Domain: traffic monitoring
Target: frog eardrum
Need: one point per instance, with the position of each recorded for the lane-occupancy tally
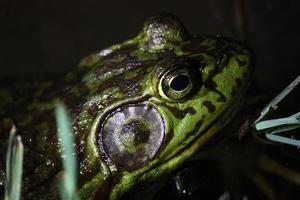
(132, 135)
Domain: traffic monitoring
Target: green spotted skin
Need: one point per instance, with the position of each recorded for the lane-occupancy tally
(132, 128)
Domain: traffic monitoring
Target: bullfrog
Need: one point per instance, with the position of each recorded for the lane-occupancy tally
(139, 109)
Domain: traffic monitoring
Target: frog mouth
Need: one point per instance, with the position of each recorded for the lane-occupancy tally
(131, 134)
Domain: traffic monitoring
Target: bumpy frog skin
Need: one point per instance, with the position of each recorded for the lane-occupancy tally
(139, 109)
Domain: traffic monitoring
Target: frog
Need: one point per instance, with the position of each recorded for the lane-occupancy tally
(138, 109)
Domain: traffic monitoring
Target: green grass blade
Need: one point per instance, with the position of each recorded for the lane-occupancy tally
(273, 126)
(17, 169)
(66, 141)
(266, 124)
(273, 104)
(14, 164)
(284, 140)
(9, 155)
(281, 129)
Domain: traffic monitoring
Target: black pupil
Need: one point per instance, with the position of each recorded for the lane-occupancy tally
(180, 82)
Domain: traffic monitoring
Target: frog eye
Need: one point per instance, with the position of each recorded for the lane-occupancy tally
(176, 83)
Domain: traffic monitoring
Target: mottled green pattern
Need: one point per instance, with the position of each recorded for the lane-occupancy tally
(127, 73)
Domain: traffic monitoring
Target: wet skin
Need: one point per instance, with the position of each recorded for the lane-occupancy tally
(139, 109)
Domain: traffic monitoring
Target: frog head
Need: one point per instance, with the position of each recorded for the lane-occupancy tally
(153, 101)
(139, 109)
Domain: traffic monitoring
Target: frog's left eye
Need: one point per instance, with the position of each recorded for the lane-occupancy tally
(177, 83)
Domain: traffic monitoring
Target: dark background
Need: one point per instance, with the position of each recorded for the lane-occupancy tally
(52, 36)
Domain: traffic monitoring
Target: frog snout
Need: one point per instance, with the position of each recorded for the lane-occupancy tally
(131, 135)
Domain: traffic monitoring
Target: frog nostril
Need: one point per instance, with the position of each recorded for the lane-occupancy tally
(132, 135)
